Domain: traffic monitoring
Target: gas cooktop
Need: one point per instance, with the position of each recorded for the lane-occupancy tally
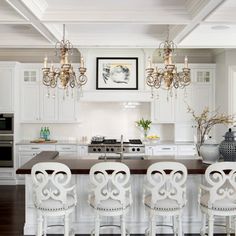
(115, 146)
(115, 142)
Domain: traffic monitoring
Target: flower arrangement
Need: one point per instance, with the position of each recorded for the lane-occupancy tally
(206, 121)
(145, 124)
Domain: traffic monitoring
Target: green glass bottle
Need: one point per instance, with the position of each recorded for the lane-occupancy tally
(45, 133)
(41, 133)
(48, 134)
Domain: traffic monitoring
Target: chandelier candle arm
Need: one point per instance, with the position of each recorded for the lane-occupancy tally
(168, 77)
(186, 62)
(65, 76)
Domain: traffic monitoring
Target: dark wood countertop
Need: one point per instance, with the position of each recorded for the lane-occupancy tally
(82, 166)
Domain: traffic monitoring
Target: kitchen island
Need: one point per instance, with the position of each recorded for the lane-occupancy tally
(137, 220)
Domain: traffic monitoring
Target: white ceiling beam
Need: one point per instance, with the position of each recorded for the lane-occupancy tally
(197, 19)
(22, 9)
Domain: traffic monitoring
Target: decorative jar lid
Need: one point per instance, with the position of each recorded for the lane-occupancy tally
(230, 135)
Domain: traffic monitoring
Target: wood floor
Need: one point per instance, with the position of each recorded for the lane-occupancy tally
(12, 214)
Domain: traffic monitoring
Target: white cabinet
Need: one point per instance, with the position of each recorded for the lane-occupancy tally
(27, 152)
(38, 107)
(186, 150)
(161, 150)
(199, 95)
(30, 100)
(163, 110)
(82, 150)
(7, 73)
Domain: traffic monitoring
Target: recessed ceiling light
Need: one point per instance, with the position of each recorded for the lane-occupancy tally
(220, 27)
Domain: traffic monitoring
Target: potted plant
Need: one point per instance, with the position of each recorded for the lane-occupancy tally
(206, 121)
(145, 125)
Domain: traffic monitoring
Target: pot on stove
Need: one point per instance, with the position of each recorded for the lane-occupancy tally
(98, 138)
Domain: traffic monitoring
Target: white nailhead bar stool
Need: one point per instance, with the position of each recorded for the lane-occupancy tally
(53, 194)
(165, 194)
(110, 192)
(219, 197)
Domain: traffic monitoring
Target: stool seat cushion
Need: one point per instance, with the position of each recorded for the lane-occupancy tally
(54, 205)
(220, 205)
(162, 205)
(109, 204)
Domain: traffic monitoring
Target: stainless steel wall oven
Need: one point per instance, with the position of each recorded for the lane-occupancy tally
(6, 150)
(6, 124)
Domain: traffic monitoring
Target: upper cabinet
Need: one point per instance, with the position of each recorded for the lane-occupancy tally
(38, 107)
(7, 74)
(163, 110)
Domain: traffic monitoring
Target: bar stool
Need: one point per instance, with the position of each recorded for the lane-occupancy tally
(165, 194)
(52, 194)
(219, 197)
(110, 192)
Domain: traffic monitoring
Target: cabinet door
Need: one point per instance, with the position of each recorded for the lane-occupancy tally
(48, 105)
(163, 110)
(83, 150)
(183, 100)
(30, 96)
(202, 97)
(23, 157)
(66, 107)
(6, 90)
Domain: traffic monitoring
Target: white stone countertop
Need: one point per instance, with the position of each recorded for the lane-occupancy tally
(74, 142)
(59, 142)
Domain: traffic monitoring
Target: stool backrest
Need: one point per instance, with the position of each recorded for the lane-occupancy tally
(222, 180)
(50, 181)
(110, 180)
(166, 180)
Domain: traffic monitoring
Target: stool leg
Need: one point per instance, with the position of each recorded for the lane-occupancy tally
(97, 225)
(152, 224)
(211, 225)
(66, 222)
(203, 227)
(174, 225)
(45, 226)
(40, 224)
(122, 218)
(228, 225)
(234, 226)
(180, 231)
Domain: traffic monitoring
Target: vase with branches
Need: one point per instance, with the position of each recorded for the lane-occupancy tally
(206, 120)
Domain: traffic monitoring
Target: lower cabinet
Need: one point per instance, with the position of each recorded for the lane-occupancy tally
(171, 150)
(27, 152)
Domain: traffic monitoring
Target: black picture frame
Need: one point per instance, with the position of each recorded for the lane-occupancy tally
(116, 73)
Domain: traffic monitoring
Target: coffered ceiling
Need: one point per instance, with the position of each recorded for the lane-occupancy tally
(123, 23)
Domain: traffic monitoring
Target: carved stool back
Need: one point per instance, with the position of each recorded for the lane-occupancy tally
(52, 193)
(110, 192)
(218, 196)
(165, 193)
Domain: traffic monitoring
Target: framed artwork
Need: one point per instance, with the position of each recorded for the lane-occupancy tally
(117, 73)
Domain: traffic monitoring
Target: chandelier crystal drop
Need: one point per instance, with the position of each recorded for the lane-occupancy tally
(65, 76)
(167, 78)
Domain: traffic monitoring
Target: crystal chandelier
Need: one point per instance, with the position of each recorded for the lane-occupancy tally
(168, 77)
(65, 76)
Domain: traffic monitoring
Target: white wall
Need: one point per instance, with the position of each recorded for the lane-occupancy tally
(104, 118)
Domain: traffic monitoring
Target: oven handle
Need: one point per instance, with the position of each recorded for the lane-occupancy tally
(6, 142)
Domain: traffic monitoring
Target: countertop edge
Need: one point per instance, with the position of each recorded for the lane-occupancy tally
(82, 166)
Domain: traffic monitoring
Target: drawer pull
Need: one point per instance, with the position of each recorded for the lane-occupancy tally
(34, 148)
(166, 149)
